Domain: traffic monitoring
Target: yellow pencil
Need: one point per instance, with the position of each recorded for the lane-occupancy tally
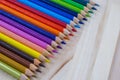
(23, 48)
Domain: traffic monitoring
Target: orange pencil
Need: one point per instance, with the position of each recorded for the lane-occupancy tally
(35, 16)
(33, 21)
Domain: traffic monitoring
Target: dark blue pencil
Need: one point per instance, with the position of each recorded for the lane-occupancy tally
(49, 12)
(63, 9)
(31, 26)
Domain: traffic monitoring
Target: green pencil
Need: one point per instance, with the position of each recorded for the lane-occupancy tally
(71, 7)
(13, 72)
(78, 5)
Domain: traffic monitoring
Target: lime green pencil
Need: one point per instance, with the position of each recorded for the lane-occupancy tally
(71, 7)
(78, 5)
(13, 72)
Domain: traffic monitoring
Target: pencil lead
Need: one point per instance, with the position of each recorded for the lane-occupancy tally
(34, 76)
(90, 11)
(59, 47)
(47, 60)
(71, 34)
(39, 70)
(94, 8)
(85, 19)
(55, 51)
(74, 30)
(97, 5)
(50, 55)
(81, 22)
(42, 65)
(88, 15)
(63, 42)
(67, 38)
(77, 26)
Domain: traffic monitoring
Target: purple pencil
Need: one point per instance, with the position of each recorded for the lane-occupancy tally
(26, 36)
(29, 31)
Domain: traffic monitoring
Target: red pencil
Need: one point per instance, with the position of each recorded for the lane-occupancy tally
(43, 15)
(35, 16)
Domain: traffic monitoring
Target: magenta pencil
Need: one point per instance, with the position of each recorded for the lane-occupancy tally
(26, 36)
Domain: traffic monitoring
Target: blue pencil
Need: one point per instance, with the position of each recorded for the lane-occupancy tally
(58, 11)
(63, 9)
(51, 13)
(31, 26)
(87, 3)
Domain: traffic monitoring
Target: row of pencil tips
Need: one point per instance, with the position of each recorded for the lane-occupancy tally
(32, 31)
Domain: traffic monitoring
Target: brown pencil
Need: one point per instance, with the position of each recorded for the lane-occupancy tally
(18, 59)
(16, 65)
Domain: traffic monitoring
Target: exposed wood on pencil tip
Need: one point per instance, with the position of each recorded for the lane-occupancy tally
(51, 56)
(36, 62)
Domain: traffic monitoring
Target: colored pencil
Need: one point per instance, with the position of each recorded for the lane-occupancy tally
(86, 3)
(22, 47)
(67, 26)
(16, 65)
(20, 53)
(26, 36)
(73, 8)
(33, 21)
(13, 72)
(58, 11)
(31, 26)
(29, 31)
(79, 6)
(37, 17)
(25, 42)
(18, 59)
(64, 9)
(51, 13)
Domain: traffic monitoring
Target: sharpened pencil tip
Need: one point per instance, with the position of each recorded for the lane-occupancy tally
(50, 55)
(81, 22)
(55, 51)
(47, 60)
(88, 15)
(63, 42)
(94, 8)
(77, 26)
(97, 5)
(85, 19)
(74, 30)
(71, 34)
(42, 65)
(39, 71)
(90, 11)
(67, 38)
(59, 47)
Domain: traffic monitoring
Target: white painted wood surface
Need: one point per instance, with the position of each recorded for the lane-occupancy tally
(90, 35)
